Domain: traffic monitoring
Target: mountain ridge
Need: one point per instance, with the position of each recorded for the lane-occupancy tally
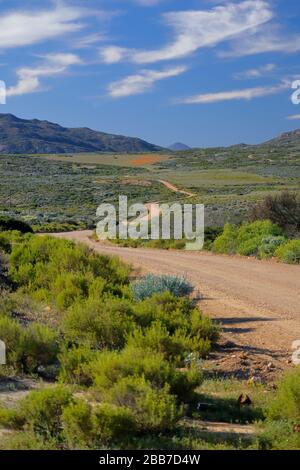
(34, 136)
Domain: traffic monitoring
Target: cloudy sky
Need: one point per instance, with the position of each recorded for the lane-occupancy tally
(203, 72)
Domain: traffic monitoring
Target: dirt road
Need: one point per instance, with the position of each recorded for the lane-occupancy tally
(174, 188)
(257, 302)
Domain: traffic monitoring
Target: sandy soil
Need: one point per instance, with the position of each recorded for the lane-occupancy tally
(257, 302)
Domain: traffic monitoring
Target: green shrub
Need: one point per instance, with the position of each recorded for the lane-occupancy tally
(73, 363)
(102, 425)
(26, 440)
(246, 239)
(112, 424)
(179, 317)
(77, 424)
(174, 347)
(227, 241)
(250, 236)
(111, 366)
(101, 324)
(42, 411)
(171, 311)
(39, 346)
(150, 284)
(269, 245)
(155, 410)
(60, 270)
(11, 418)
(278, 435)
(286, 403)
(290, 252)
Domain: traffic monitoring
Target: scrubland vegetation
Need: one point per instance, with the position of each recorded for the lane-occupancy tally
(122, 358)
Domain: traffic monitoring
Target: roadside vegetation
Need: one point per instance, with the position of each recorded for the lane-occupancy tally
(121, 359)
(273, 231)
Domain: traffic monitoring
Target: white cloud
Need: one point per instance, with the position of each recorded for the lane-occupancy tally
(245, 94)
(114, 54)
(29, 78)
(269, 40)
(198, 29)
(21, 28)
(294, 117)
(255, 73)
(141, 82)
(87, 41)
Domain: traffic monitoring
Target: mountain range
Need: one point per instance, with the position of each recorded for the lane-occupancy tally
(21, 136)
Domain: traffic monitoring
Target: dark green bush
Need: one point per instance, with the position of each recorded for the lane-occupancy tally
(39, 346)
(9, 223)
(282, 209)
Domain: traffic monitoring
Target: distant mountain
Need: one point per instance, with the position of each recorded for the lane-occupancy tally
(23, 136)
(178, 146)
(291, 138)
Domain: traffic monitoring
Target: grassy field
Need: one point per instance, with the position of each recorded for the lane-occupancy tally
(54, 189)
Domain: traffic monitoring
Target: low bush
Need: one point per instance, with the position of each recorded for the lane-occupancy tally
(61, 271)
(42, 411)
(100, 324)
(285, 404)
(247, 239)
(77, 424)
(227, 241)
(177, 315)
(73, 364)
(289, 252)
(112, 424)
(39, 346)
(175, 347)
(278, 435)
(150, 285)
(155, 410)
(110, 367)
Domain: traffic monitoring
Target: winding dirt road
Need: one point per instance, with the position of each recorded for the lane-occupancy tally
(257, 302)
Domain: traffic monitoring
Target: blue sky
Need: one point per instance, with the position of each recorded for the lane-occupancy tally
(203, 72)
